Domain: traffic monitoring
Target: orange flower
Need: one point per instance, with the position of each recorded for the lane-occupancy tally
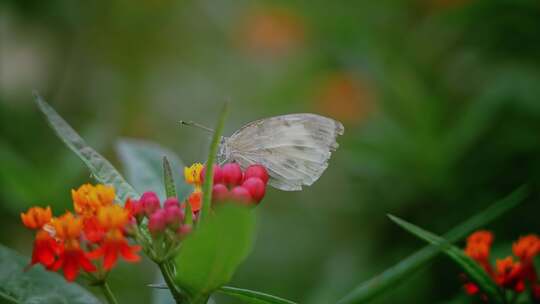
(509, 274)
(346, 97)
(89, 198)
(67, 227)
(195, 201)
(113, 217)
(68, 230)
(272, 31)
(192, 175)
(36, 217)
(46, 249)
(527, 247)
(113, 220)
(481, 236)
(478, 248)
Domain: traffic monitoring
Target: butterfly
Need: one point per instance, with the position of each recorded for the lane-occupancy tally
(294, 148)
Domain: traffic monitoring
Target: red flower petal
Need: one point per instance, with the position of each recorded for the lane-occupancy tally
(71, 267)
(129, 252)
(85, 262)
(111, 255)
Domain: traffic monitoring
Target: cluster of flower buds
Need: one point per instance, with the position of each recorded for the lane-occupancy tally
(513, 273)
(170, 216)
(98, 230)
(230, 183)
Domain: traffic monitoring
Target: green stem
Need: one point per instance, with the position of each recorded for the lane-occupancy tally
(167, 275)
(111, 299)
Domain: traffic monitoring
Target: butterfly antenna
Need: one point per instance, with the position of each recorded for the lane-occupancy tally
(196, 125)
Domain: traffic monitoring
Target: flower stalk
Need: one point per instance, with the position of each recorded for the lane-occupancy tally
(107, 292)
(165, 269)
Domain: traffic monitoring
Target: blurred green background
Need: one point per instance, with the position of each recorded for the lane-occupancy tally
(439, 98)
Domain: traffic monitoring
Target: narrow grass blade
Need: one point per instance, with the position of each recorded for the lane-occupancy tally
(102, 170)
(392, 276)
(473, 269)
(253, 297)
(168, 178)
(209, 172)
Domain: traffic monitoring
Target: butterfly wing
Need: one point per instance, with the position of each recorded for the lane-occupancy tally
(294, 148)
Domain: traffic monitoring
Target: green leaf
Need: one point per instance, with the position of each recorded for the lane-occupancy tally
(473, 269)
(36, 285)
(211, 254)
(168, 178)
(101, 169)
(143, 163)
(253, 297)
(209, 172)
(388, 279)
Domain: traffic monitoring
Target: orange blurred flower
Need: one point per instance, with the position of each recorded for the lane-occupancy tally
(478, 248)
(87, 199)
(509, 274)
(36, 217)
(272, 31)
(527, 247)
(345, 97)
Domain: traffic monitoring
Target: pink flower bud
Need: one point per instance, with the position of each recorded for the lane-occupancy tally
(256, 188)
(184, 230)
(257, 171)
(219, 193)
(232, 174)
(157, 222)
(218, 174)
(171, 202)
(241, 194)
(174, 216)
(150, 202)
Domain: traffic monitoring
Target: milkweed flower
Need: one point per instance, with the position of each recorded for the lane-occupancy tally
(68, 230)
(527, 247)
(97, 225)
(36, 217)
(192, 174)
(88, 199)
(113, 219)
(478, 248)
(509, 273)
(45, 247)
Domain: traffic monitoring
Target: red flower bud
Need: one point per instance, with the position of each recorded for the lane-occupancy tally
(150, 202)
(218, 174)
(219, 193)
(256, 188)
(241, 194)
(171, 202)
(232, 174)
(257, 171)
(158, 221)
